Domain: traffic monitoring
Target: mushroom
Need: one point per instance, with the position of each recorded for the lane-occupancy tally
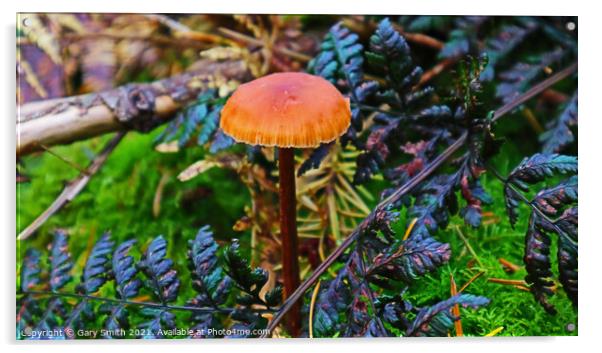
(288, 111)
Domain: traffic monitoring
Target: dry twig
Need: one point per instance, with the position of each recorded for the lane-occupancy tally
(73, 188)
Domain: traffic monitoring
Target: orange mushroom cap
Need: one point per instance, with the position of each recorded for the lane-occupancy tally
(286, 110)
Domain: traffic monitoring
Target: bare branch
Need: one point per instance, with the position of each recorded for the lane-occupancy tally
(139, 107)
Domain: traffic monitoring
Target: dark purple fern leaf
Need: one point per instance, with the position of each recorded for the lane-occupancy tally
(117, 319)
(161, 321)
(194, 116)
(410, 259)
(315, 158)
(207, 277)
(82, 312)
(462, 39)
(59, 275)
(437, 320)
(518, 78)
(554, 202)
(126, 286)
(30, 269)
(390, 56)
(393, 309)
(60, 261)
(220, 141)
(358, 318)
(210, 126)
(28, 307)
(162, 278)
(125, 271)
(390, 53)
(332, 300)
(198, 121)
(94, 275)
(340, 61)
(533, 170)
(97, 265)
(48, 322)
(475, 195)
(537, 263)
(247, 321)
(435, 201)
(509, 38)
(567, 254)
(249, 280)
(559, 134)
(375, 328)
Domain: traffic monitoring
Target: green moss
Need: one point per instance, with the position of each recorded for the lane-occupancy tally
(511, 308)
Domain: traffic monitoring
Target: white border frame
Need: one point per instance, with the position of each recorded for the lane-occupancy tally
(590, 131)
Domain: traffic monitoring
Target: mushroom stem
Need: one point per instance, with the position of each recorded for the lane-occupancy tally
(288, 232)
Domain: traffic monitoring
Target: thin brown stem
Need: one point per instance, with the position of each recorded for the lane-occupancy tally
(70, 163)
(137, 303)
(288, 233)
(436, 70)
(535, 90)
(472, 279)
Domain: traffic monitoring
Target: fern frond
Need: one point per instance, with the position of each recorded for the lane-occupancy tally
(533, 170)
(516, 80)
(556, 202)
(153, 318)
(198, 122)
(509, 38)
(162, 277)
(559, 134)
(125, 271)
(411, 259)
(97, 265)
(437, 320)
(208, 279)
(60, 261)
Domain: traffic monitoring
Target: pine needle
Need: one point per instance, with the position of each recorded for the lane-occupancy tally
(456, 308)
(470, 249)
(471, 280)
(495, 332)
(409, 230)
(314, 295)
